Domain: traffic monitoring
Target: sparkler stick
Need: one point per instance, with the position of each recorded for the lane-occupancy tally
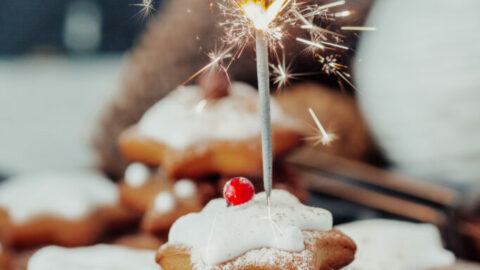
(263, 77)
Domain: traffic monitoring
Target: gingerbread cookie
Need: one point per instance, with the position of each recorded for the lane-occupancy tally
(181, 198)
(402, 245)
(139, 187)
(251, 236)
(99, 257)
(189, 135)
(68, 209)
(162, 201)
(139, 241)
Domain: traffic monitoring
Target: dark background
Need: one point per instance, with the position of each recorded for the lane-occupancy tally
(42, 25)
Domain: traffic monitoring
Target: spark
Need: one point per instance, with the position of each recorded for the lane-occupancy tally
(146, 7)
(330, 5)
(344, 13)
(282, 74)
(216, 57)
(324, 137)
(335, 45)
(358, 28)
(311, 43)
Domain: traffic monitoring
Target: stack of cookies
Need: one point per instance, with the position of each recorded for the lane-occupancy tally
(187, 145)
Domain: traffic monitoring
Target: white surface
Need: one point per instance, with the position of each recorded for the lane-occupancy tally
(220, 233)
(70, 195)
(396, 245)
(419, 86)
(99, 257)
(184, 118)
(47, 110)
(136, 174)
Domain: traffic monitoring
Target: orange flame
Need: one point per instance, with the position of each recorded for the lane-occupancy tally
(262, 12)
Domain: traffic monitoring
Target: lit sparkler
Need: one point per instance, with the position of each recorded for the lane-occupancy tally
(266, 22)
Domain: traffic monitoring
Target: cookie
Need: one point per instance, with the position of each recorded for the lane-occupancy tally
(181, 198)
(190, 136)
(403, 245)
(139, 187)
(68, 209)
(162, 201)
(252, 236)
(98, 257)
(139, 241)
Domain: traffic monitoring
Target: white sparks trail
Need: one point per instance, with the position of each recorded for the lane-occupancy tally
(311, 43)
(335, 45)
(358, 28)
(324, 138)
(146, 7)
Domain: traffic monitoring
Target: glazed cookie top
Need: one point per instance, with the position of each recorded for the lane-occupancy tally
(71, 195)
(99, 257)
(220, 233)
(396, 245)
(185, 118)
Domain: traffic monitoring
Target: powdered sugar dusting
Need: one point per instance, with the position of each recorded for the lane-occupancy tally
(238, 230)
(177, 121)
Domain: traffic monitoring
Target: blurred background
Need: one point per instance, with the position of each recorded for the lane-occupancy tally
(59, 62)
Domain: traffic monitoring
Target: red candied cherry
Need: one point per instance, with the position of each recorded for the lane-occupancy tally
(238, 190)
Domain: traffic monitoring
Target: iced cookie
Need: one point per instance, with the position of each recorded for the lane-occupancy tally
(161, 201)
(139, 187)
(99, 257)
(190, 135)
(250, 237)
(402, 245)
(67, 209)
(140, 241)
(181, 198)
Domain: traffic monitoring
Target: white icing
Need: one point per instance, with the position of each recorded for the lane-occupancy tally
(136, 174)
(164, 202)
(220, 233)
(99, 257)
(71, 195)
(183, 119)
(396, 245)
(184, 189)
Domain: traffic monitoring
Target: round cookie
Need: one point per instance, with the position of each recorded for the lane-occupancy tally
(68, 209)
(98, 257)
(190, 136)
(253, 236)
